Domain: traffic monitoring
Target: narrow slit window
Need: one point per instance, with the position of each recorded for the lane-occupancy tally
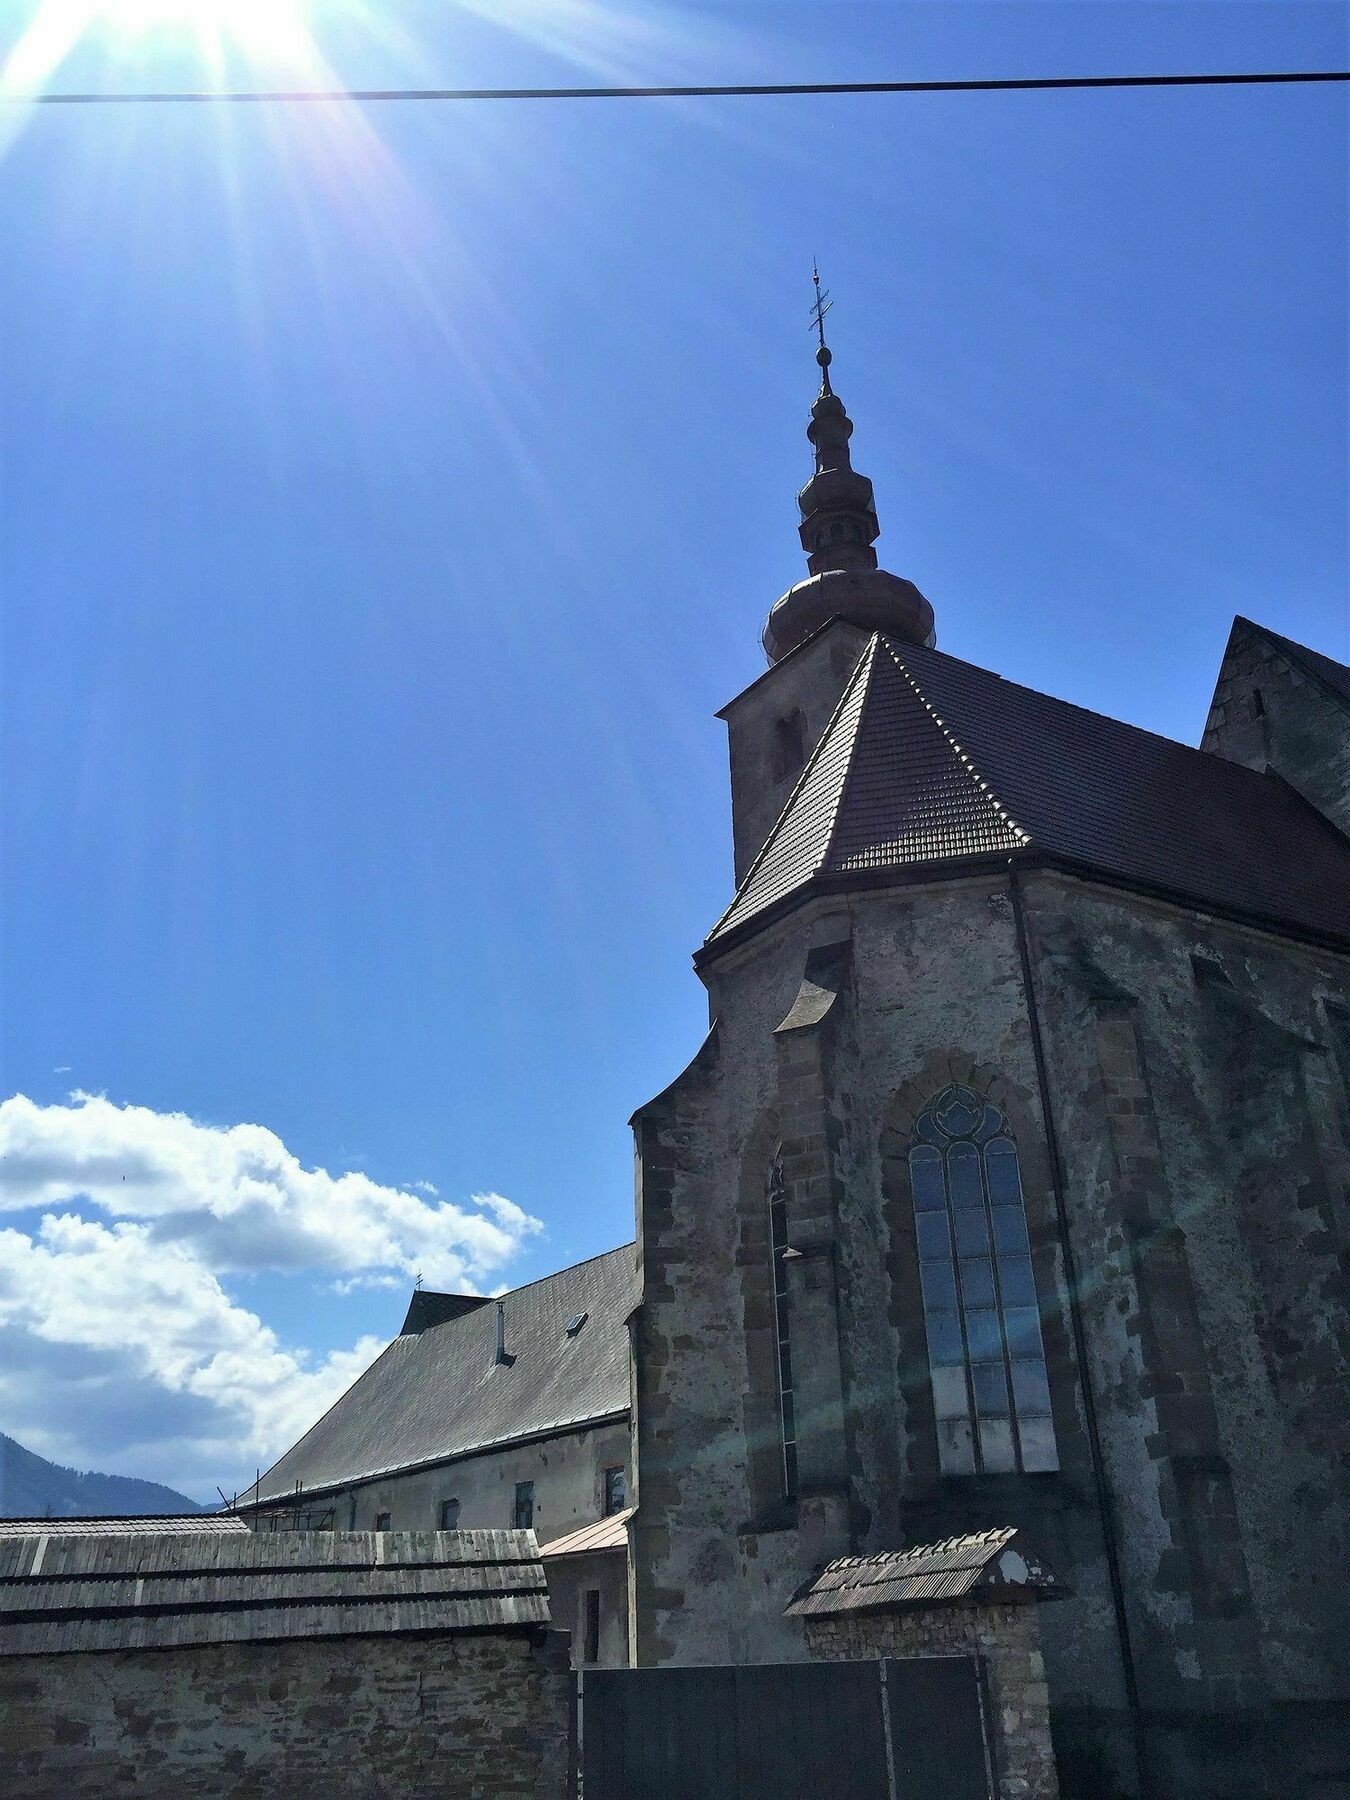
(991, 1396)
(449, 1515)
(778, 1245)
(590, 1651)
(524, 1507)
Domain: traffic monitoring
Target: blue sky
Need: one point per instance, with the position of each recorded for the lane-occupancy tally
(389, 499)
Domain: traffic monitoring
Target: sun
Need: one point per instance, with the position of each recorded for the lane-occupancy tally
(255, 27)
(266, 33)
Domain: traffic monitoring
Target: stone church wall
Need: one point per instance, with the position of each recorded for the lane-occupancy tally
(933, 993)
(1200, 1110)
(1268, 710)
(1205, 1124)
(376, 1718)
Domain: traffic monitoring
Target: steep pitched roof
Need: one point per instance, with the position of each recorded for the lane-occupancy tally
(139, 1592)
(440, 1392)
(1330, 673)
(931, 765)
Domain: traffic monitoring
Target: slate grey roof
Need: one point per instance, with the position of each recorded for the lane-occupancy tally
(125, 1525)
(931, 765)
(1331, 674)
(439, 1392)
(138, 1592)
(985, 1565)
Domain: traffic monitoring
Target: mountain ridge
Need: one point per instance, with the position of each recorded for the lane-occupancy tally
(33, 1488)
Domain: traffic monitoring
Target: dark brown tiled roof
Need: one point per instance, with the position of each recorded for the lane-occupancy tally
(140, 1592)
(931, 764)
(987, 1564)
(439, 1392)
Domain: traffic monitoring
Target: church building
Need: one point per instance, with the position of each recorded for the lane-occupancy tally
(1010, 1188)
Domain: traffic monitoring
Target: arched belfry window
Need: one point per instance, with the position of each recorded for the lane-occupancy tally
(985, 1354)
(778, 1248)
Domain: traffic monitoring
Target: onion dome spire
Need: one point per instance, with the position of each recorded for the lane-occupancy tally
(838, 528)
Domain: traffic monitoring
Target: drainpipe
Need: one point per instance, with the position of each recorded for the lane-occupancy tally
(1105, 1503)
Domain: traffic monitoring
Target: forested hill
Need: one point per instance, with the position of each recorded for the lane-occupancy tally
(31, 1487)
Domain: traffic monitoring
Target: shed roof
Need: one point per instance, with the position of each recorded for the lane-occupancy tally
(60, 1594)
(439, 1392)
(600, 1534)
(993, 1564)
(125, 1525)
(931, 765)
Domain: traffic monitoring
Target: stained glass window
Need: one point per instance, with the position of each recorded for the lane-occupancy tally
(986, 1358)
(778, 1244)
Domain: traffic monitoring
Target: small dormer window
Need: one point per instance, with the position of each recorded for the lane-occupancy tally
(575, 1323)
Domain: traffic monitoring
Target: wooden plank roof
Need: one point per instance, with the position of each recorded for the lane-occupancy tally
(62, 1593)
(984, 1565)
(124, 1525)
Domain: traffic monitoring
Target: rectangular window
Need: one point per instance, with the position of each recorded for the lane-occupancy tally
(449, 1515)
(524, 1513)
(590, 1637)
(382, 1521)
(616, 1490)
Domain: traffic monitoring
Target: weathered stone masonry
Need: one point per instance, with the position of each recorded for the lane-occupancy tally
(470, 1718)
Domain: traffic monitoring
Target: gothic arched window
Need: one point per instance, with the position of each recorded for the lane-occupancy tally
(778, 1244)
(987, 1362)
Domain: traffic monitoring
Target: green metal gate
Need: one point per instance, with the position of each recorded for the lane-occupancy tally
(892, 1730)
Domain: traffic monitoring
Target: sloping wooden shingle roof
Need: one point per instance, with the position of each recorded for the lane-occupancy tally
(987, 1565)
(125, 1525)
(61, 1594)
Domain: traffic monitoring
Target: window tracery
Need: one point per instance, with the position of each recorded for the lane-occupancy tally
(986, 1358)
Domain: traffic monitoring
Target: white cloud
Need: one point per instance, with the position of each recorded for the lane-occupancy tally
(120, 1347)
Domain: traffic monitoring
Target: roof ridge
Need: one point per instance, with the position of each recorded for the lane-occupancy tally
(808, 769)
(966, 761)
(868, 657)
(567, 1268)
(1303, 656)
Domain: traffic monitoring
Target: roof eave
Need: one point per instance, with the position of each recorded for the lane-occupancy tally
(1030, 856)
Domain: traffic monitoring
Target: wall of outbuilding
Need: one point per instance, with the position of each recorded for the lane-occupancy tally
(1204, 1193)
(471, 1717)
(568, 1472)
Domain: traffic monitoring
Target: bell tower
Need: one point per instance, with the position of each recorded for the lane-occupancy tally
(777, 722)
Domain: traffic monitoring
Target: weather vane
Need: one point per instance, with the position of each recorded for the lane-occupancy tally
(822, 305)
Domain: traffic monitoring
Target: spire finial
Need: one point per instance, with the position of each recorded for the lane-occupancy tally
(822, 305)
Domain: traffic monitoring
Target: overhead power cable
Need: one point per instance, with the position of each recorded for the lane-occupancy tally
(744, 90)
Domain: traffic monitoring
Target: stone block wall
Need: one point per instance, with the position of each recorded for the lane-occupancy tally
(1006, 1635)
(370, 1718)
